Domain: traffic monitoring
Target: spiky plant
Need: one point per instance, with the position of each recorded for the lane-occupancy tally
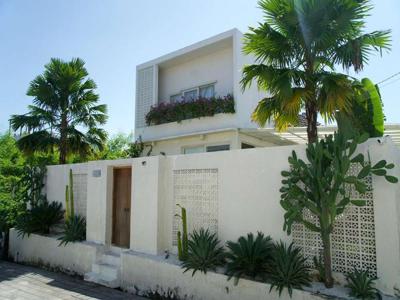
(204, 252)
(249, 256)
(288, 268)
(361, 285)
(74, 230)
(40, 218)
(322, 184)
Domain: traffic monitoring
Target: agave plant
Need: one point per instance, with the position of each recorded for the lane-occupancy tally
(249, 256)
(288, 268)
(40, 218)
(204, 252)
(74, 230)
(361, 285)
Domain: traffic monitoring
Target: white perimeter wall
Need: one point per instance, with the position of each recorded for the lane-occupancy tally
(76, 258)
(247, 197)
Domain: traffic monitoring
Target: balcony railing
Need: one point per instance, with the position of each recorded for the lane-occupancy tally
(179, 111)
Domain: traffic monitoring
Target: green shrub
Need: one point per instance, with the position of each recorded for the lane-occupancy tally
(40, 219)
(249, 256)
(183, 110)
(288, 268)
(204, 252)
(74, 230)
(361, 285)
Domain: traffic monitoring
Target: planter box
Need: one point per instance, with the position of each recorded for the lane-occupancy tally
(143, 273)
(75, 258)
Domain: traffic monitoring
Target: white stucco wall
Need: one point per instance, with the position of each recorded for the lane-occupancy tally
(215, 68)
(57, 177)
(148, 273)
(248, 199)
(44, 251)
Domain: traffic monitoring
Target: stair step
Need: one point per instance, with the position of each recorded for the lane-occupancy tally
(102, 279)
(110, 258)
(109, 271)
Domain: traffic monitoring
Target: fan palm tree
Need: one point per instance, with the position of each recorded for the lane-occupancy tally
(64, 104)
(298, 49)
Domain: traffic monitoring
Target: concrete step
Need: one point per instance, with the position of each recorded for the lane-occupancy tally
(109, 271)
(110, 258)
(102, 279)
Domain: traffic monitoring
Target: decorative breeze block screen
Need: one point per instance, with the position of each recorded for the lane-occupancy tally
(80, 193)
(352, 240)
(144, 94)
(197, 191)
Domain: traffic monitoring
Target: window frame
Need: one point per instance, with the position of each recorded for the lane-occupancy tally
(197, 88)
(191, 90)
(205, 86)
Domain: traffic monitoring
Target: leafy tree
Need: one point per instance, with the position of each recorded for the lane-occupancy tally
(366, 115)
(121, 146)
(11, 170)
(64, 104)
(322, 185)
(298, 48)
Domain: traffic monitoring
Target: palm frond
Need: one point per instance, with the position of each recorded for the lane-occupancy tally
(355, 52)
(37, 141)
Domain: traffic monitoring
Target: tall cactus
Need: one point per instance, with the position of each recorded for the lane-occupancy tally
(67, 207)
(183, 237)
(69, 197)
(71, 193)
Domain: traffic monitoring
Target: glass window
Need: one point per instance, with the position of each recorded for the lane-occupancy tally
(176, 98)
(191, 150)
(190, 95)
(218, 148)
(207, 91)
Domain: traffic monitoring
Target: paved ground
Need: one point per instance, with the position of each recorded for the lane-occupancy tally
(18, 282)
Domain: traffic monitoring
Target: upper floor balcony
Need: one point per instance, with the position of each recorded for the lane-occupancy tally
(195, 89)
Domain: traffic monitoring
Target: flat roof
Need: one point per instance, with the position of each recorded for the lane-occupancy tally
(298, 135)
(204, 47)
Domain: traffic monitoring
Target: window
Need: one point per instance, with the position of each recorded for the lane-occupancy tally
(191, 150)
(206, 91)
(190, 95)
(175, 98)
(218, 148)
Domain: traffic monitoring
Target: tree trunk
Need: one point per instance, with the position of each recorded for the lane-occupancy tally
(311, 115)
(63, 141)
(326, 243)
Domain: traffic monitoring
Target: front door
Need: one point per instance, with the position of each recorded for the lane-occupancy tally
(122, 207)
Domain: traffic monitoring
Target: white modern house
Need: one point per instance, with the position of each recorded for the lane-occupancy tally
(130, 205)
(210, 68)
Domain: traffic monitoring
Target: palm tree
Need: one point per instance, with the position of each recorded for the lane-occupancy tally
(298, 48)
(64, 104)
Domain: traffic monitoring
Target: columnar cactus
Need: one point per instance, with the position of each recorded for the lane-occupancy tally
(182, 237)
(69, 197)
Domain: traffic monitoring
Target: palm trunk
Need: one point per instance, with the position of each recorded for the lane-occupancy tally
(326, 243)
(63, 141)
(311, 115)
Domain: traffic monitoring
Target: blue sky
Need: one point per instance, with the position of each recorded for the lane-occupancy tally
(114, 36)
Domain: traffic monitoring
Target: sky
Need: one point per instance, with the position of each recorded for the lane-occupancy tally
(114, 36)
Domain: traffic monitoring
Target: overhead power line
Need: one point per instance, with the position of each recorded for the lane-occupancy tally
(388, 78)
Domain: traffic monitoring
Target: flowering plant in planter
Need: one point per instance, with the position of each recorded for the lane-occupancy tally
(178, 111)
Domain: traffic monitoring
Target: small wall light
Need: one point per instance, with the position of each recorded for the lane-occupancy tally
(143, 163)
